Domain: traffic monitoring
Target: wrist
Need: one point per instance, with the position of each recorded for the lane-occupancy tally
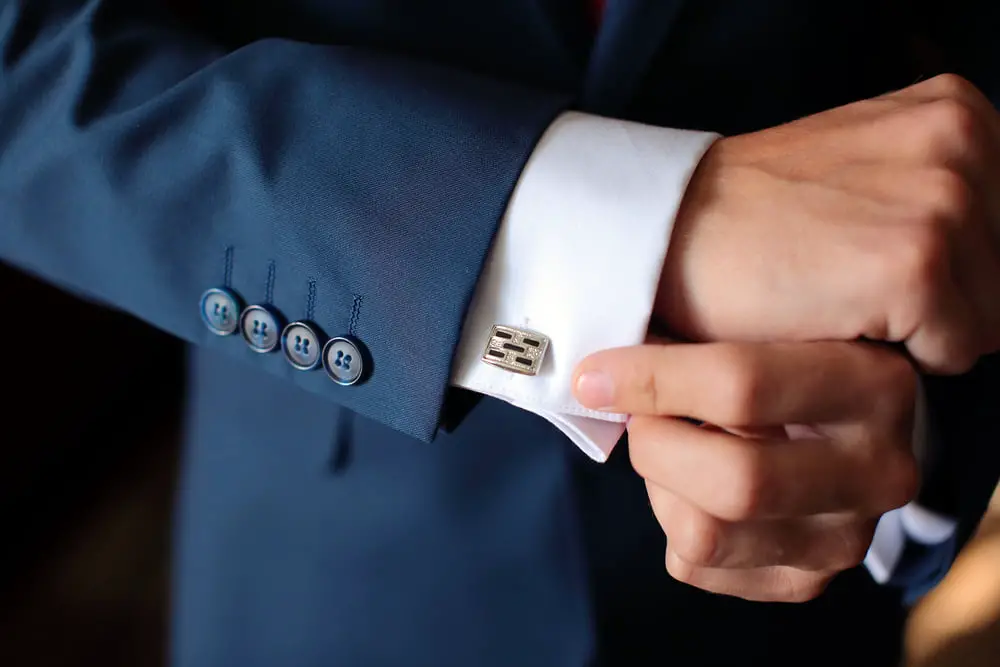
(673, 307)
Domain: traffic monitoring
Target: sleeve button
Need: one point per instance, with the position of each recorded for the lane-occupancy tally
(343, 359)
(261, 328)
(219, 310)
(301, 344)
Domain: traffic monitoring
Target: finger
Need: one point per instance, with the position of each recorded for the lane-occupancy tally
(821, 543)
(978, 278)
(736, 479)
(907, 194)
(942, 107)
(950, 336)
(968, 125)
(771, 432)
(943, 216)
(949, 86)
(766, 584)
(985, 295)
(961, 133)
(741, 384)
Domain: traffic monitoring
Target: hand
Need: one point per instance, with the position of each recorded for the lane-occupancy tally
(773, 516)
(878, 219)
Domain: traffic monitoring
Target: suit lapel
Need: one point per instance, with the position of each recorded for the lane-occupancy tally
(631, 33)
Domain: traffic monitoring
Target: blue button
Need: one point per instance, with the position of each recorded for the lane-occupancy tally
(343, 361)
(220, 311)
(261, 328)
(302, 346)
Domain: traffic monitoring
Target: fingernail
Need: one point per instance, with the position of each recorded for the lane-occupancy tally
(595, 389)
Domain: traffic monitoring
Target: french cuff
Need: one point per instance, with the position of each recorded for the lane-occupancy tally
(577, 260)
(901, 528)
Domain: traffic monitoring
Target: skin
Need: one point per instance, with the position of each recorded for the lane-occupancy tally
(753, 506)
(876, 221)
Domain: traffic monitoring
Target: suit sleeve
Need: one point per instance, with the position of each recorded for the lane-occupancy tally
(141, 165)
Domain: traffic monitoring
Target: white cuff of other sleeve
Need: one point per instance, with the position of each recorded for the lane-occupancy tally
(910, 523)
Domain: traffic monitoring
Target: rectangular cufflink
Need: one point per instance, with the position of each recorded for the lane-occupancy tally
(516, 350)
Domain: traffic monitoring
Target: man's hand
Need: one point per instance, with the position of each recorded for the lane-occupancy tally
(878, 219)
(803, 447)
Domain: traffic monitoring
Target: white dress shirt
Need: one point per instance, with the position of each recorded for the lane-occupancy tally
(578, 258)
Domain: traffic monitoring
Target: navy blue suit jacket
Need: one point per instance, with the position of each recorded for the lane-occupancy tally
(349, 161)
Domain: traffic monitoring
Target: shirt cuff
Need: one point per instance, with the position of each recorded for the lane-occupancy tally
(578, 259)
(911, 524)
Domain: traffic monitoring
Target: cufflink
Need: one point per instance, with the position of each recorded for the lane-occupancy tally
(516, 350)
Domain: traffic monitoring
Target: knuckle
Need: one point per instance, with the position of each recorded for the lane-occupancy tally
(804, 588)
(951, 128)
(949, 197)
(640, 451)
(901, 478)
(852, 545)
(895, 390)
(694, 536)
(648, 389)
(739, 386)
(900, 377)
(745, 485)
(680, 570)
(955, 116)
(952, 85)
(916, 275)
(921, 259)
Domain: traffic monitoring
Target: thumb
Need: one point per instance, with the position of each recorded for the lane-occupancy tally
(735, 384)
(633, 380)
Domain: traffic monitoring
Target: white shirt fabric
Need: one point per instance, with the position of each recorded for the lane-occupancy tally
(910, 523)
(578, 258)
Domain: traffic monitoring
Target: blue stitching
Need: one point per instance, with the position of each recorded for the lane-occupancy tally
(227, 271)
(269, 290)
(355, 314)
(311, 300)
